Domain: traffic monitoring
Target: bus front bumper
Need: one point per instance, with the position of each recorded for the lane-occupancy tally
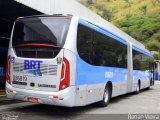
(64, 97)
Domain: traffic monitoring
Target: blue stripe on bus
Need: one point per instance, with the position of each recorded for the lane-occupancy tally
(142, 75)
(103, 31)
(89, 74)
(157, 76)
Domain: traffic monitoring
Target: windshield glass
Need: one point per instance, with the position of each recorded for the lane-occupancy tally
(43, 30)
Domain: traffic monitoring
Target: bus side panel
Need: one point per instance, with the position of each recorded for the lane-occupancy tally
(141, 60)
(143, 76)
(157, 76)
(94, 78)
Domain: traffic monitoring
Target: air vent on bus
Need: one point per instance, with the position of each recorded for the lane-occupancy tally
(45, 69)
(36, 52)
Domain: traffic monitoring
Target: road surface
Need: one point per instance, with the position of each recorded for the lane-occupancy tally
(146, 102)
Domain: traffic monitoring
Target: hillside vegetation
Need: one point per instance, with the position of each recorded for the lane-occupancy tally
(139, 18)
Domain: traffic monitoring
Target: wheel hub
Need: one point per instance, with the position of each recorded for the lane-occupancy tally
(106, 95)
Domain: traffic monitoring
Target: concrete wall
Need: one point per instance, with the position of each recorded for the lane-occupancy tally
(75, 8)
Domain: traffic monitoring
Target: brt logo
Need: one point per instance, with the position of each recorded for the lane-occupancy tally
(32, 64)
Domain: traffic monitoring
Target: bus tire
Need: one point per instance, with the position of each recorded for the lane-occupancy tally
(138, 88)
(106, 97)
(148, 88)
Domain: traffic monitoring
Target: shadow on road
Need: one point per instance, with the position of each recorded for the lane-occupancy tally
(126, 96)
(48, 112)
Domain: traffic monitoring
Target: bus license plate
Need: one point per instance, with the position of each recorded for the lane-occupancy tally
(32, 99)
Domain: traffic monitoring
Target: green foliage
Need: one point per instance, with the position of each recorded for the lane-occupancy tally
(146, 29)
(156, 56)
(102, 11)
(139, 18)
(153, 45)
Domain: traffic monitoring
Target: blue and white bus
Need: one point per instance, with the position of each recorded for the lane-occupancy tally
(157, 70)
(3, 54)
(70, 61)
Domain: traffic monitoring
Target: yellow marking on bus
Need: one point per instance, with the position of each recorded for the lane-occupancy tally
(2, 93)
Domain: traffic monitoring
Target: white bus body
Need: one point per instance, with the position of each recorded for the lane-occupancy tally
(64, 79)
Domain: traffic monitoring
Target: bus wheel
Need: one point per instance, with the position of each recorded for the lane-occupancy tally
(106, 97)
(138, 88)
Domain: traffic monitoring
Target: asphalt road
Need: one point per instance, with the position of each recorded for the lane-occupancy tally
(146, 102)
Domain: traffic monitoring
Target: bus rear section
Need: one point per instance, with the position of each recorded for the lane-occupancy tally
(38, 65)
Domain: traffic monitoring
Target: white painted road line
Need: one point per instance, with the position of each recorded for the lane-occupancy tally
(16, 105)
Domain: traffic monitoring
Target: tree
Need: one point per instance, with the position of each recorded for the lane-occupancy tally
(156, 56)
(153, 45)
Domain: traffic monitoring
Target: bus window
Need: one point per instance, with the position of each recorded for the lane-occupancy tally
(141, 61)
(84, 43)
(46, 31)
(41, 30)
(109, 52)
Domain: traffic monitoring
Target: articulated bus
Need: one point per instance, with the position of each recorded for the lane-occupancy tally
(157, 69)
(70, 61)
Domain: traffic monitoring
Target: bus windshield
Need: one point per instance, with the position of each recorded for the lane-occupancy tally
(41, 30)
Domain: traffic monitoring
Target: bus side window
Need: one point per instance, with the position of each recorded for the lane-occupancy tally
(141, 61)
(84, 43)
(108, 51)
